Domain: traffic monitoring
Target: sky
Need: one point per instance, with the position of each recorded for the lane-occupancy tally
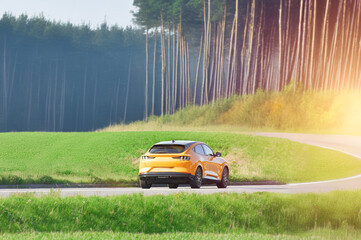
(92, 12)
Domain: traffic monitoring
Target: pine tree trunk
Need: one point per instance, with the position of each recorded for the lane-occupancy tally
(212, 63)
(146, 75)
(235, 58)
(62, 102)
(330, 83)
(154, 65)
(311, 75)
(217, 57)
(5, 89)
(95, 98)
(322, 52)
(298, 75)
(11, 84)
(250, 45)
(257, 53)
(169, 74)
(208, 50)
(84, 92)
(230, 55)
(280, 47)
(288, 44)
(346, 76)
(174, 75)
(197, 71)
(117, 98)
(189, 94)
(303, 50)
(222, 62)
(204, 51)
(163, 64)
(127, 92)
(244, 82)
(54, 97)
(206, 56)
(176, 63)
(181, 73)
(30, 97)
(182, 80)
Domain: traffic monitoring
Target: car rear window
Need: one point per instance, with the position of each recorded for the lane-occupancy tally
(167, 149)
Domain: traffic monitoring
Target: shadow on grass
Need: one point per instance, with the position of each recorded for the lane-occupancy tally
(48, 181)
(16, 180)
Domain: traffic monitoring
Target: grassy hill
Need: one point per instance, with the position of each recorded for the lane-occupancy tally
(112, 157)
(316, 112)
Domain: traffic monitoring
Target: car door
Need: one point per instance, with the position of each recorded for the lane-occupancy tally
(211, 165)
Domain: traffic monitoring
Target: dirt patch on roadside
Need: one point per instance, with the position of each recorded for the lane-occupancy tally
(241, 166)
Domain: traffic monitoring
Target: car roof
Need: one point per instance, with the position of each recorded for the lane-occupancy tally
(187, 144)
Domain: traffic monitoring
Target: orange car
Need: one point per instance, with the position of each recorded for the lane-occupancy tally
(182, 162)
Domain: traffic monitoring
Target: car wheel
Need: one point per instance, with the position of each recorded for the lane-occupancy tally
(225, 179)
(145, 184)
(197, 180)
(173, 185)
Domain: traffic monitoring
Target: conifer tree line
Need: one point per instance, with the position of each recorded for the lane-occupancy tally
(239, 46)
(60, 77)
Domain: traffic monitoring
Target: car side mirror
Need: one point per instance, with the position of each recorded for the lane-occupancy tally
(218, 154)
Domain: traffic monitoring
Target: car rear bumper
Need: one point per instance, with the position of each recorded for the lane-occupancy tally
(166, 177)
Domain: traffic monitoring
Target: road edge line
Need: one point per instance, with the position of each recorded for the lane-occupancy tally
(328, 181)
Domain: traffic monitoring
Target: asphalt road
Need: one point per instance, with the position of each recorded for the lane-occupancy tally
(347, 144)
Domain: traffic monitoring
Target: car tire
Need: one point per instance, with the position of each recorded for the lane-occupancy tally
(145, 184)
(197, 180)
(173, 185)
(225, 179)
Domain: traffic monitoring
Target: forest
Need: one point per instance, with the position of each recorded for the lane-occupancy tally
(60, 77)
(246, 45)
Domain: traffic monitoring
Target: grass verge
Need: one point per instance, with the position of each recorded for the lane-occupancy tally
(262, 213)
(319, 234)
(112, 158)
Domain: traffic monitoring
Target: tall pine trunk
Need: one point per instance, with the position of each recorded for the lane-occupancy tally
(127, 92)
(163, 64)
(146, 75)
(154, 65)
(169, 74)
(197, 71)
(5, 88)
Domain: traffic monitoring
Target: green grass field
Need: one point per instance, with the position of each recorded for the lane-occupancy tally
(110, 157)
(319, 234)
(255, 216)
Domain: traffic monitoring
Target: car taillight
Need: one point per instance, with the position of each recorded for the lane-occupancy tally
(184, 158)
(145, 158)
